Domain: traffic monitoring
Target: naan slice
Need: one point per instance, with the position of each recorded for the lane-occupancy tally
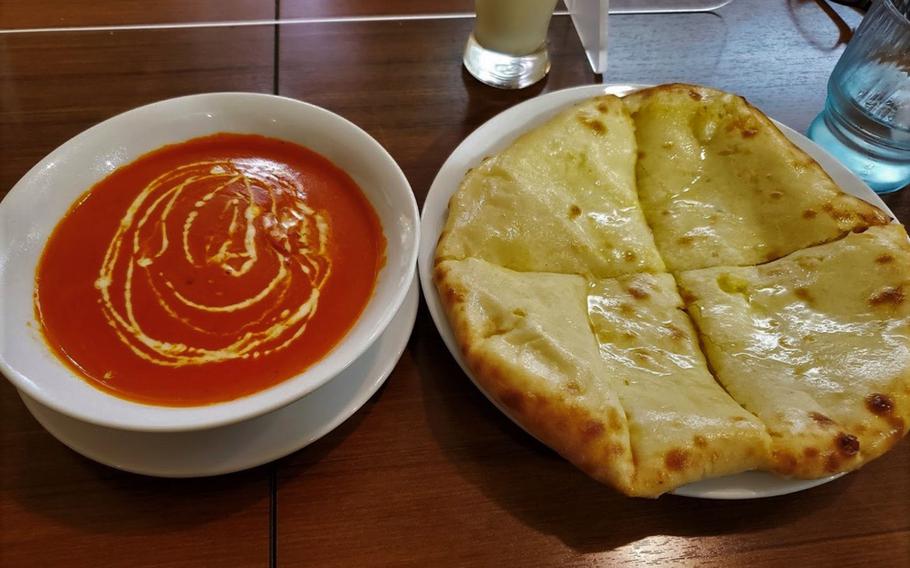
(683, 425)
(526, 337)
(561, 198)
(817, 345)
(633, 406)
(722, 186)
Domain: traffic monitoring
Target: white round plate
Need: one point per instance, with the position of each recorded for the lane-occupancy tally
(245, 444)
(497, 133)
(39, 200)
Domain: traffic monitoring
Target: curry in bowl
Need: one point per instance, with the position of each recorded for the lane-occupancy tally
(208, 270)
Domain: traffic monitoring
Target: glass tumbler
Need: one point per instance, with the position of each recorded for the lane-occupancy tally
(508, 48)
(866, 120)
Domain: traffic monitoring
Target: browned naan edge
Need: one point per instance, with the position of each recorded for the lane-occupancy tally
(585, 441)
(835, 447)
(598, 445)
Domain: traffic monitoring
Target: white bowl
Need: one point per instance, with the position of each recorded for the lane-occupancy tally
(37, 202)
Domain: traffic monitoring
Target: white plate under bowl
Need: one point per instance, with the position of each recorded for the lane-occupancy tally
(37, 202)
(495, 135)
(245, 444)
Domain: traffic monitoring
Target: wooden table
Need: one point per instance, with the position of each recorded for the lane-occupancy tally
(428, 473)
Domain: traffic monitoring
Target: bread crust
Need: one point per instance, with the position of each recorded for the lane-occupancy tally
(821, 356)
(721, 185)
(554, 383)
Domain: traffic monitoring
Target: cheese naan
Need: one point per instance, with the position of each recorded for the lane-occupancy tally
(817, 345)
(722, 186)
(607, 372)
(559, 295)
(561, 198)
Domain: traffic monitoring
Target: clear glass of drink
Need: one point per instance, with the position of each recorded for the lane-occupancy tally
(508, 48)
(866, 120)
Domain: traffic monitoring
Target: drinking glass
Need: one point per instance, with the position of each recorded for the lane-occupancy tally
(866, 120)
(508, 48)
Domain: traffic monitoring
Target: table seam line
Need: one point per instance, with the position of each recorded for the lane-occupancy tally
(273, 515)
(250, 23)
(276, 43)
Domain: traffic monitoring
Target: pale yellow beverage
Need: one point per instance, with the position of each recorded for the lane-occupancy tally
(514, 27)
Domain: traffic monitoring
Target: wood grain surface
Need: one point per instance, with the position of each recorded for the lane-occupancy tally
(18, 14)
(332, 8)
(55, 85)
(56, 507)
(428, 473)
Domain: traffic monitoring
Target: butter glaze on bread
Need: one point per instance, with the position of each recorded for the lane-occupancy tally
(568, 315)
(720, 185)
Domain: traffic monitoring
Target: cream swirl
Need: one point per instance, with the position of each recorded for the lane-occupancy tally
(240, 227)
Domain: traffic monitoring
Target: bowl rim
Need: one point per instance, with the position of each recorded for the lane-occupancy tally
(201, 417)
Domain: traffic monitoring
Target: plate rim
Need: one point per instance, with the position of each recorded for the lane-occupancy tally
(387, 360)
(552, 103)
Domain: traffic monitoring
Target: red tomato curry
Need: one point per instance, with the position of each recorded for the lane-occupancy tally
(208, 270)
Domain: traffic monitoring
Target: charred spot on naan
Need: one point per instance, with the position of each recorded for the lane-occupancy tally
(639, 293)
(888, 297)
(593, 123)
(884, 408)
(803, 294)
(879, 404)
(676, 459)
(450, 295)
(783, 462)
(847, 444)
(839, 215)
